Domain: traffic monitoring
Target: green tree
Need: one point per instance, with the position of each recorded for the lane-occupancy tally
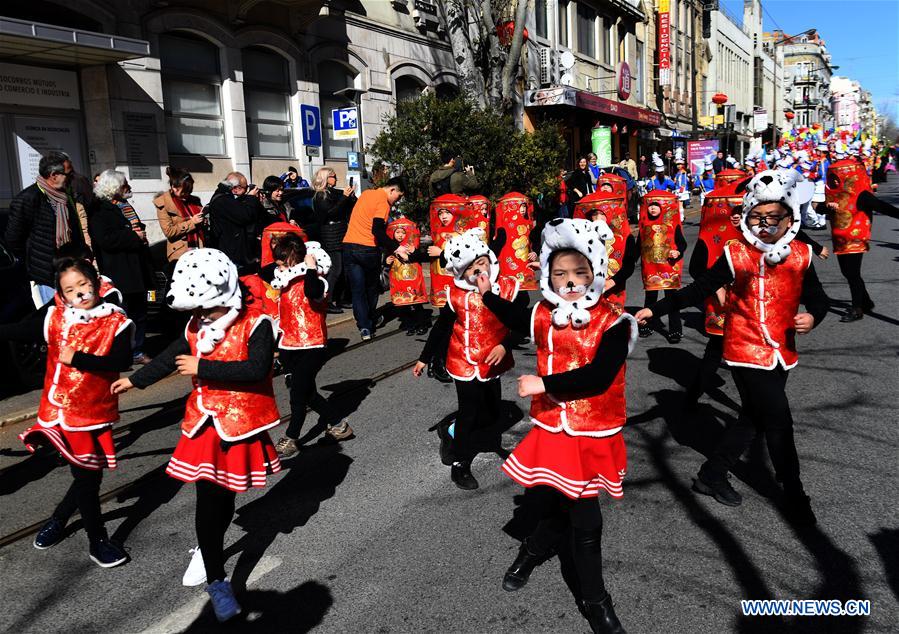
(505, 159)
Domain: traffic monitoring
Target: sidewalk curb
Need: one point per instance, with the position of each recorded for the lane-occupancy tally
(18, 417)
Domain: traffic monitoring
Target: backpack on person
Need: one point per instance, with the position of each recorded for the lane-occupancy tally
(442, 186)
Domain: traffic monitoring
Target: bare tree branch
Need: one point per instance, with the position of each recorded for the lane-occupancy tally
(472, 80)
(511, 66)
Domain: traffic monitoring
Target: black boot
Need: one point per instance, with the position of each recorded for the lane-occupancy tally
(460, 473)
(797, 509)
(446, 443)
(717, 487)
(853, 314)
(519, 572)
(601, 616)
(437, 369)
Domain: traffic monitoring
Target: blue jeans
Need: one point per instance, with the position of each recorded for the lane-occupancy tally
(363, 267)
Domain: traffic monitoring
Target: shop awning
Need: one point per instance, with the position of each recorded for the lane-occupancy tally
(572, 97)
(24, 41)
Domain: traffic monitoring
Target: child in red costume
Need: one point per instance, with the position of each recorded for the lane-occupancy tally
(303, 305)
(769, 276)
(88, 344)
(479, 352)
(576, 448)
(225, 447)
(662, 246)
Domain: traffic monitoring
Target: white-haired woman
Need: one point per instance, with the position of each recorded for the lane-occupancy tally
(120, 246)
(331, 209)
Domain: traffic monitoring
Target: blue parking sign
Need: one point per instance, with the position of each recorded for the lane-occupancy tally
(345, 122)
(311, 124)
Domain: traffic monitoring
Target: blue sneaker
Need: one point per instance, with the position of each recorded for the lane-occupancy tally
(50, 534)
(366, 334)
(106, 554)
(224, 604)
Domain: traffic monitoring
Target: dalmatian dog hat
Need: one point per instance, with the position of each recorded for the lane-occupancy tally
(282, 278)
(204, 279)
(589, 239)
(461, 251)
(775, 186)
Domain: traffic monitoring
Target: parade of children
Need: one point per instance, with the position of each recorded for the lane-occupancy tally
(490, 294)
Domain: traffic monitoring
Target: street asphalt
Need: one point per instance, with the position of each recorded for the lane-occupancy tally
(371, 535)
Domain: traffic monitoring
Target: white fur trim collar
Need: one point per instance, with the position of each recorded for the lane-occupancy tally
(73, 315)
(210, 334)
(284, 277)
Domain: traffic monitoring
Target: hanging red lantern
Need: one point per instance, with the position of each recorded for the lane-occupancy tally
(505, 30)
(719, 98)
(789, 115)
(614, 128)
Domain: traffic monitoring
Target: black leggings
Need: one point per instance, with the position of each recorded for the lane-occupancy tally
(83, 495)
(765, 409)
(851, 268)
(411, 316)
(215, 508)
(708, 369)
(480, 406)
(303, 366)
(674, 324)
(573, 524)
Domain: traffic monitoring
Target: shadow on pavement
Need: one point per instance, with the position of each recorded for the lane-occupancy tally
(312, 477)
(886, 542)
(298, 610)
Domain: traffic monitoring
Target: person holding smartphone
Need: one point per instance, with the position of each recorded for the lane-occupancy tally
(331, 208)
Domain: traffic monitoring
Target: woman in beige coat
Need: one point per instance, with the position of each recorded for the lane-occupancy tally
(180, 214)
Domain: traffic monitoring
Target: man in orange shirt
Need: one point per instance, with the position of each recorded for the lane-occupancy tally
(365, 239)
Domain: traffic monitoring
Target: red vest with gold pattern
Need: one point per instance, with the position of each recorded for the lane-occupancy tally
(515, 214)
(563, 349)
(725, 177)
(657, 239)
(715, 231)
(457, 206)
(238, 409)
(761, 305)
(74, 399)
(614, 207)
(476, 332)
(407, 280)
(850, 226)
(302, 321)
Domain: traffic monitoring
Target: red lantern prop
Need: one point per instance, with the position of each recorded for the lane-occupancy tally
(719, 98)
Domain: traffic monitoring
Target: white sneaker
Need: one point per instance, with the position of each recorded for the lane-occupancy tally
(195, 574)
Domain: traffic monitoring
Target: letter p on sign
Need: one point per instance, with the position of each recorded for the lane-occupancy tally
(312, 125)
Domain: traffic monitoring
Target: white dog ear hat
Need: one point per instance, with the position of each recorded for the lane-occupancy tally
(775, 186)
(589, 239)
(460, 251)
(206, 278)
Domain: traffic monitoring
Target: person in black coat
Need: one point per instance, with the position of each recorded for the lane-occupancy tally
(121, 252)
(232, 215)
(33, 232)
(580, 183)
(331, 209)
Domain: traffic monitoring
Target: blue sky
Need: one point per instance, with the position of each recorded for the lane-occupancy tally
(861, 36)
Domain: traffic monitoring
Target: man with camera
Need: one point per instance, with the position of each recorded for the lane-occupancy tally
(453, 177)
(232, 216)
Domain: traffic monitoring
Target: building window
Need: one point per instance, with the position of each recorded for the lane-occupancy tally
(408, 88)
(332, 78)
(563, 23)
(586, 30)
(607, 43)
(540, 17)
(638, 73)
(191, 87)
(267, 97)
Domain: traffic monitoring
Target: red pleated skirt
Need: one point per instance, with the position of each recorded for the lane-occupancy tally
(89, 449)
(578, 466)
(237, 466)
